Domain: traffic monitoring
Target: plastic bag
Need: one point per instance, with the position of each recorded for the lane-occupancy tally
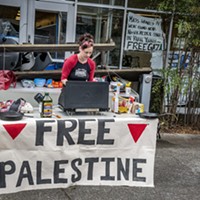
(7, 78)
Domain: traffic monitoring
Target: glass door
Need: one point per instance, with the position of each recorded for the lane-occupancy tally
(55, 26)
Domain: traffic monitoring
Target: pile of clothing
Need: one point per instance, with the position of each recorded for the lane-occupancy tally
(20, 105)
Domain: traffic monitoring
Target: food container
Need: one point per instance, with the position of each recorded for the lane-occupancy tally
(39, 82)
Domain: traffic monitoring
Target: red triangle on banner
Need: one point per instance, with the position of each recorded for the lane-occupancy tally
(14, 129)
(136, 130)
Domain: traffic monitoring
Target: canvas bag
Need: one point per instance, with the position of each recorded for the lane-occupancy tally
(7, 78)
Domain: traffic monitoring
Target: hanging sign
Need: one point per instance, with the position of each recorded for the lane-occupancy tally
(143, 33)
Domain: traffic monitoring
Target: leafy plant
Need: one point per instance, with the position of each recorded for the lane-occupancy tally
(181, 96)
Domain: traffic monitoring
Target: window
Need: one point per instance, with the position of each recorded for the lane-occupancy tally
(109, 2)
(139, 4)
(9, 21)
(50, 28)
(104, 24)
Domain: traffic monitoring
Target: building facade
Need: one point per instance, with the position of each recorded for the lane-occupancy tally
(63, 21)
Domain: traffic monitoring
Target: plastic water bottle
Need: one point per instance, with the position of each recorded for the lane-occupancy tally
(115, 103)
(128, 90)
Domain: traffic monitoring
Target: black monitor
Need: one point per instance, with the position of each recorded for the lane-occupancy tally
(84, 95)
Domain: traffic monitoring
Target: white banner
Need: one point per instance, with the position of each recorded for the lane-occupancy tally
(50, 153)
(143, 33)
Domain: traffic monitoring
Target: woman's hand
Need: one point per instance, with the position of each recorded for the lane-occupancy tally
(64, 81)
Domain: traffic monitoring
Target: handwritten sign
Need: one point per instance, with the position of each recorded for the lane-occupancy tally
(143, 33)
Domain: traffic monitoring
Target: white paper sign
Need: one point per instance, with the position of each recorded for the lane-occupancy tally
(143, 33)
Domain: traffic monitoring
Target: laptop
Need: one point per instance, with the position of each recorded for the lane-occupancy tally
(84, 96)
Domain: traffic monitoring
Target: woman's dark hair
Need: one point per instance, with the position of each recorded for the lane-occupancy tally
(86, 40)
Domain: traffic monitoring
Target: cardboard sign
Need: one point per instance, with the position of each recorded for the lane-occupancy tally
(143, 33)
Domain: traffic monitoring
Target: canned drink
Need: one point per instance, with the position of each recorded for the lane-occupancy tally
(128, 90)
(138, 108)
(141, 107)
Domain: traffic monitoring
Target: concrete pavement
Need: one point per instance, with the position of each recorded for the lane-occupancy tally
(177, 177)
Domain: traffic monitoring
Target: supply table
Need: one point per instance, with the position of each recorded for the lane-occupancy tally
(80, 149)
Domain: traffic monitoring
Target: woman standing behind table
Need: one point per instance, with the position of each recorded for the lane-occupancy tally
(80, 67)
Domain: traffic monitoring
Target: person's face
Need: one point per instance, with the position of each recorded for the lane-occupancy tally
(86, 53)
